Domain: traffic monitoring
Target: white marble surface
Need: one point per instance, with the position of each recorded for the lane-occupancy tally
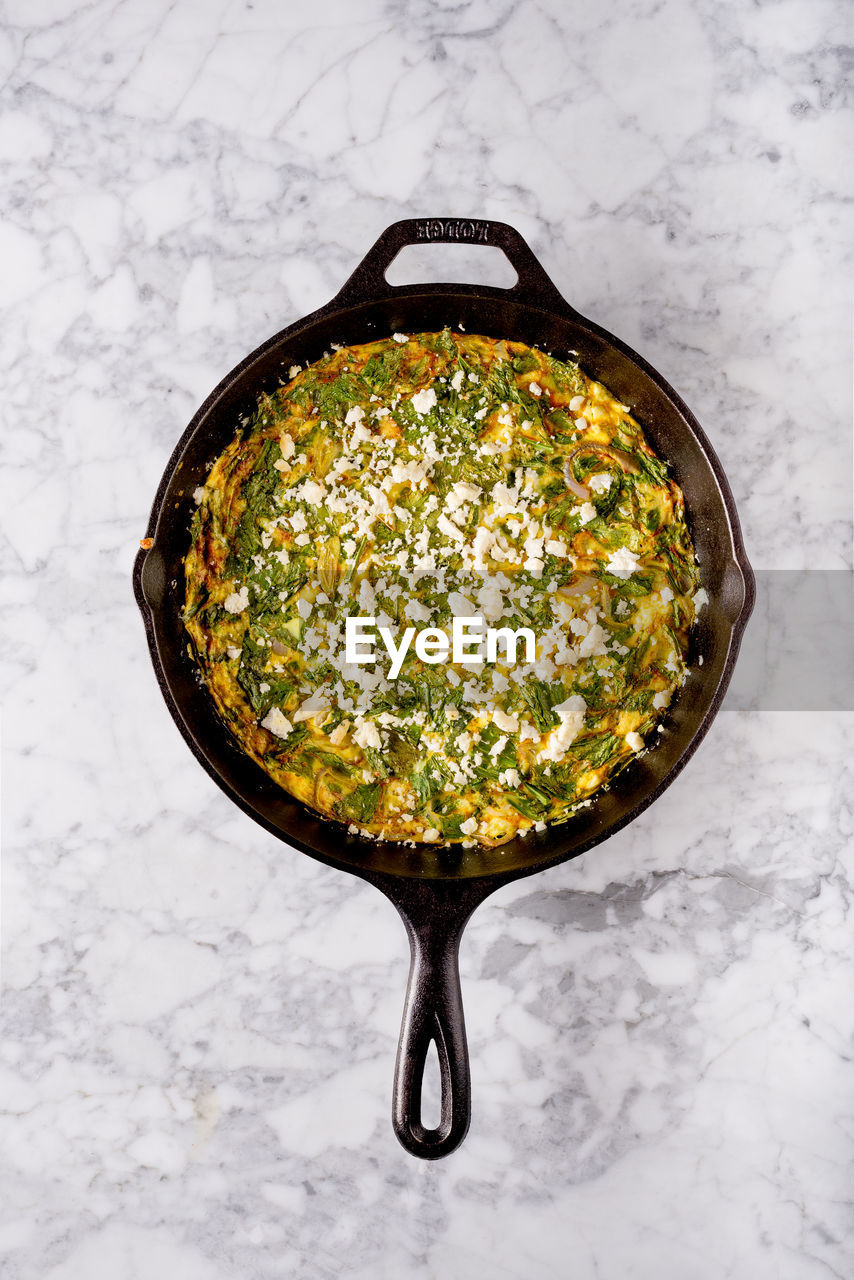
(199, 1023)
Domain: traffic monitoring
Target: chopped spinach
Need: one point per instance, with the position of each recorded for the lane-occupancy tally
(361, 804)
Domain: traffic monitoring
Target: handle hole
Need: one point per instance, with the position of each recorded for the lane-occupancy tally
(431, 1089)
(451, 264)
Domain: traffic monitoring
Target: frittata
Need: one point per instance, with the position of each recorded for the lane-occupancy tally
(412, 480)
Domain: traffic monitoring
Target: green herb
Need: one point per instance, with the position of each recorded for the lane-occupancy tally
(560, 423)
(526, 362)
(567, 376)
(537, 695)
(606, 501)
(351, 569)
(336, 397)
(491, 766)
(444, 343)
(652, 468)
(377, 761)
(401, 755)
(525, 804)
(381, 370)
(361, 804)
(597, 749)
(641, 701)
(429, 779)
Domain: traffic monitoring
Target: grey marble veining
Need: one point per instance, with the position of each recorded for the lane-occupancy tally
(199, 1023)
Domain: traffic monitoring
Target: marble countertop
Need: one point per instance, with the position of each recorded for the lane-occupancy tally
(199, 1022)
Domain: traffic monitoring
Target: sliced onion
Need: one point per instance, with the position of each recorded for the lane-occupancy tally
(580, 588)
(571, 483)
(625, 460)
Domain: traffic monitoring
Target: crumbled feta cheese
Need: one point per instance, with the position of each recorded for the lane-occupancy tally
(339, 733)
(469, 827)
(576, 404)
(700, 598)
(444, 525)
(506, 723)
(413, 472)
(423, 401)
(593, 644)
(461, 605)
(233, 652)
(571, 711)
(287, 446)
(303, 607)
(661, 699)
(311, 706)
(367, 734)
(484, 540)
(635, 741)
(400, 337)
(354, 416)
(535, 389)
(457, 380)
(586, 512)
(601, 482)
(416, 611)
(571, 714)
(361, 433)
(237, 601)
(460, 493)
(622, 562)
(490, 602)
(367, 598)
(277, 723)
(198, 494)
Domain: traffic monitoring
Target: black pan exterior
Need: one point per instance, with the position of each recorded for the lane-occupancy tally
(532, 312)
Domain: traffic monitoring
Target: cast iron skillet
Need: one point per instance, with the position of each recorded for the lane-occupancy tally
(436, 889)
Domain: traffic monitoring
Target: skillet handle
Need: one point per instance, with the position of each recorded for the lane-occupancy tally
(433, 1013)
(533, 286)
